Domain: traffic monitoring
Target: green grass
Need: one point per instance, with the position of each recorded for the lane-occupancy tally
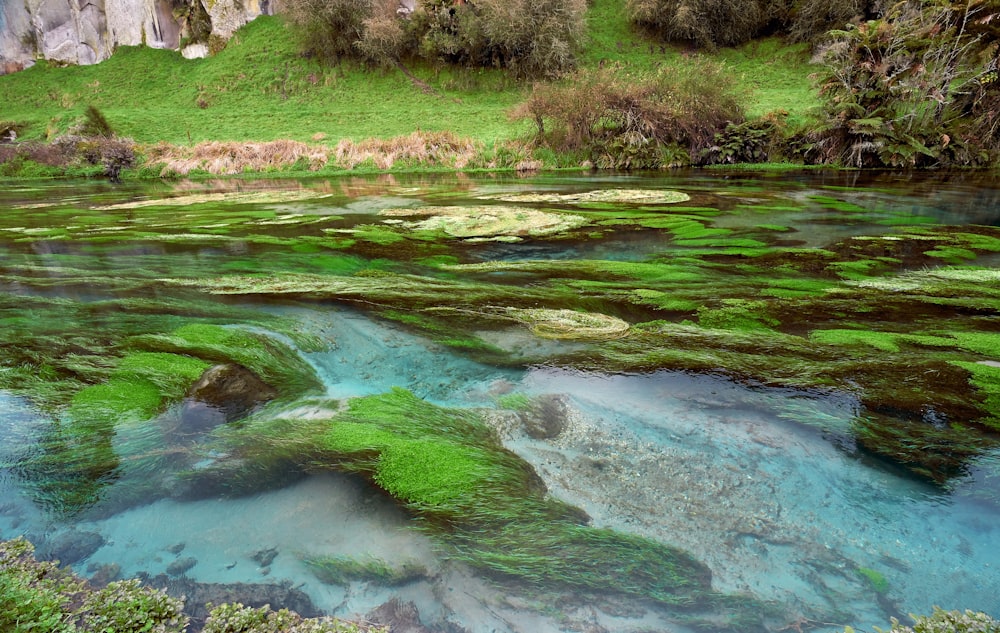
(260, 88)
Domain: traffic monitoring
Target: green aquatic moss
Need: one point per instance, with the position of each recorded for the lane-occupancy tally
(338, 570)
(121, 399)
(986, 379)
(737, 314)
(272, 360)
(885, 341)
(484, 504)
(951, 254)
(875, 579)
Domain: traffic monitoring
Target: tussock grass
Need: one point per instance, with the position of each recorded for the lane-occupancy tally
(227, 158)
(444, 149)
(435, 149)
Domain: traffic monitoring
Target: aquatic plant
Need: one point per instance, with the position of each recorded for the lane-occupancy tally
(488, 221)
(338, 570)
(482, 502)
(875, 579)
(272, 360)
(569, 324)
(627, 196)
(941, 621)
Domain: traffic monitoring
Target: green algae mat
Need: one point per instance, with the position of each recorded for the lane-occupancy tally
(174, 343)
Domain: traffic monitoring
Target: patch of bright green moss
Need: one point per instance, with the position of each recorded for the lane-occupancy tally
(737, 314)
(986, 378)
(482, 502)
(885, 341)
(273, 361)
(951, 254)
(877, 581)
(120, 399)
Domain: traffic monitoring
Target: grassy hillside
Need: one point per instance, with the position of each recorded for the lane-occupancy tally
(261, 88)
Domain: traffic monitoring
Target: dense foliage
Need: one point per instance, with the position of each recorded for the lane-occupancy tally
(531, 38)
(916, 88)
(711, 23)
(624, 122)
(39, 596)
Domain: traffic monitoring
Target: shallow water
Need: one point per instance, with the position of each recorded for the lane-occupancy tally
(764, 484)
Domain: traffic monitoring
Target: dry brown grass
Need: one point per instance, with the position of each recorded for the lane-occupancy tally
(229, 157)
(442, 149)
(421, 148)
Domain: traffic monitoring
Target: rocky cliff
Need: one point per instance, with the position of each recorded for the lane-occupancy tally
(88, 31)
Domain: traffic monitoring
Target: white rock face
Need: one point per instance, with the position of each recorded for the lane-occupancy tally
(88, 31)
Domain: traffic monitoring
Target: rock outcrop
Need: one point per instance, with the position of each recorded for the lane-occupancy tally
(88, 31)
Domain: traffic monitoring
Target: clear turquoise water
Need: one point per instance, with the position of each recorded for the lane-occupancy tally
(725, 470)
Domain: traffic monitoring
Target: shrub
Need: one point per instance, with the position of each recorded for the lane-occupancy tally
(535, 38)
(750, 142)
(626, 123)
(811, 20)
(909, 89)
(532, 38)
(128, 607)
(236, 618)
(707, 23)
(330, 29)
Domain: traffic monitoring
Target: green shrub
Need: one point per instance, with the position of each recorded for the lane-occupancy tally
(811, 20)
(629, 123)
(749, 142)
(532, 38)
(128, 607)
(706, 23)
(912, 89)
(330, 29)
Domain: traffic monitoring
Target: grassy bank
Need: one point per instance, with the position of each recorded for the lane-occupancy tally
(260, 88)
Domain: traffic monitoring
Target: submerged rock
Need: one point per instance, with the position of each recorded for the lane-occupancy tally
(265, 556)
(104, 574)
(399, 616)
(199, 594)
(229, 391)
(72, 547)
(547, 417)
(181, 565)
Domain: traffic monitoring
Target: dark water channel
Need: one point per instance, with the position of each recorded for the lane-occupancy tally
(793, 377)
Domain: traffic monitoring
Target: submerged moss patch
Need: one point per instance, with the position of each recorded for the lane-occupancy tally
(568, 324)
(634, 196)
(488, 221)
(482, 502)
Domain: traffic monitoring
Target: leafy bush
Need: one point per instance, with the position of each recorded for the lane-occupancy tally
(750, 142)
(330, 29)
(707, 23)
(236, 618)
(628, 123)
(811, 20)
(128, 607)
(37, 596)
(532, 38)
(911, 89)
